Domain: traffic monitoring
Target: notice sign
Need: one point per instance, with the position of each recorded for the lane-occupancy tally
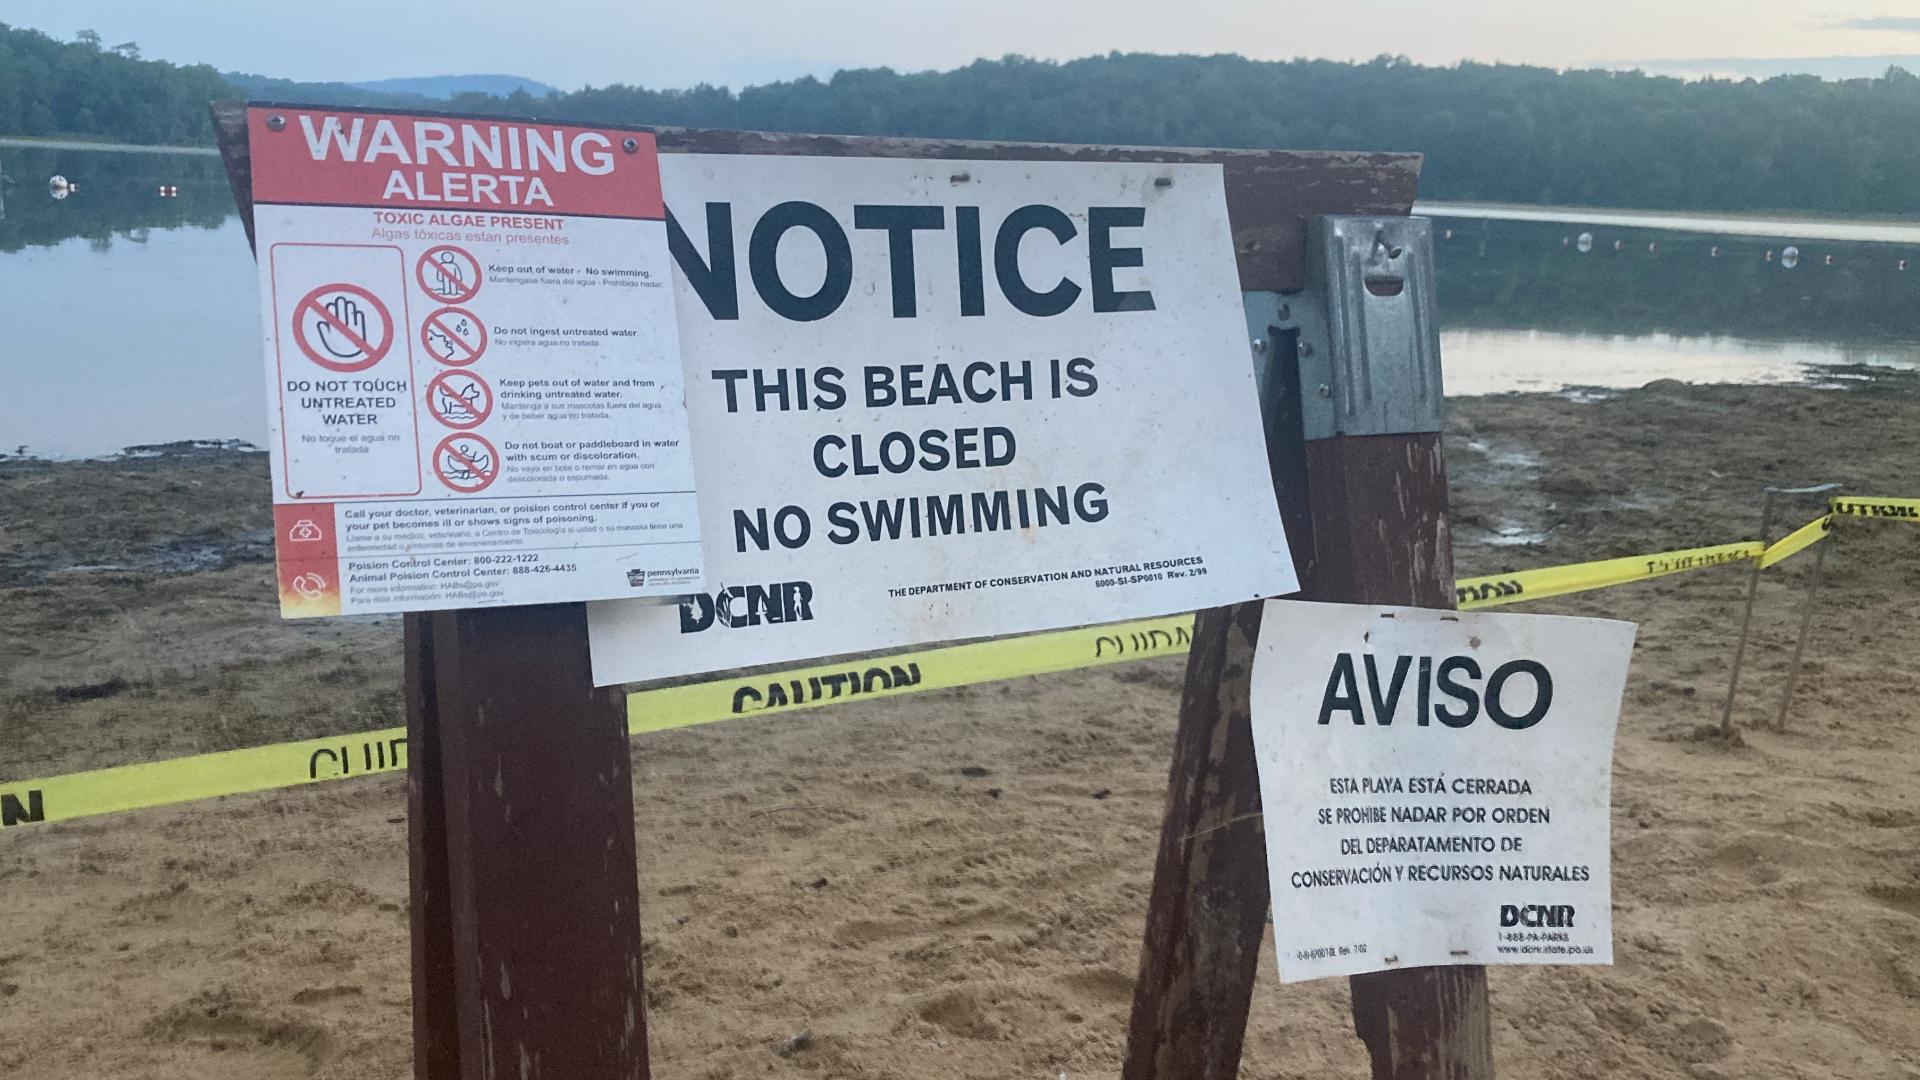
(1436, 785)
(951, 399)
(473, 369)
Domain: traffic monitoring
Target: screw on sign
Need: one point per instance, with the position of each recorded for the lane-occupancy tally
(342, 327)
(466, 463)
(454, 336)
(449, 274)
(459, 399)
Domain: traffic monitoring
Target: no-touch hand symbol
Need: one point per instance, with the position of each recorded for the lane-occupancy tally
(449, 274)
(342, 327)
(466, 463)
(459, 399)
(454, 336)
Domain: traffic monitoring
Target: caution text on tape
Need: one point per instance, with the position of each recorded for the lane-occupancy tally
(1494, 590)
(311, 761)
(1877, 507)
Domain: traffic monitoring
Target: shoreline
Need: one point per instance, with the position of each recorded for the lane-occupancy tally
(1830, 377)
(34, 142)
(1768, 224)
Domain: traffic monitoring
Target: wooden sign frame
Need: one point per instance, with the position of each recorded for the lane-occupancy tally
(522, 839)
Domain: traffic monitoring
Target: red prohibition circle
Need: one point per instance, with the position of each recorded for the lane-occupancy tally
(323, 354)
(451, 290)
(477, 478)
(440, 324)
(441, 385)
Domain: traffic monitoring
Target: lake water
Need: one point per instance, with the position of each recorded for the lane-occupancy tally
(129, 318)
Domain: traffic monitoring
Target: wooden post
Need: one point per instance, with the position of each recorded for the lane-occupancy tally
(1208, 909)
(521, 853)
(1381, 535)
(1375, 532)
(526, 921)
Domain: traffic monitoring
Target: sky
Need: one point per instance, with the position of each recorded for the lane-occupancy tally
(569, 43)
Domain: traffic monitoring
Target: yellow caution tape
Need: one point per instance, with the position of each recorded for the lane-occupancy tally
(909, 673)
(312, 761)
(1871, 506)
(1494, 590)
(203, 776)
(1797, 541)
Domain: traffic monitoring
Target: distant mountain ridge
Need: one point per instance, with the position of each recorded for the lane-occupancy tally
(404, 91)
(442, 87)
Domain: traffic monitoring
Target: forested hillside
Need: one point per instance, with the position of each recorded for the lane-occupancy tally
(84, 88)
(1493, 132)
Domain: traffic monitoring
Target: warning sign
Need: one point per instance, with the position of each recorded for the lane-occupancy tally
(474, 359)
(1436, 786)
(454, 336)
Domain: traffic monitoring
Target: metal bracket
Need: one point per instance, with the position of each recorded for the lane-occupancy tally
(1266, 312)
(1368, 344)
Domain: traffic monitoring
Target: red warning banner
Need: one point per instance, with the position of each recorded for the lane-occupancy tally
(494, 168)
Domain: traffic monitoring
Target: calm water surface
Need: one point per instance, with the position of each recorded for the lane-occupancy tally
(129, 318)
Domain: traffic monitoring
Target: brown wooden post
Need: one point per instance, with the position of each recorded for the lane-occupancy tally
(526, 936)
(1376, 533)
(1377, 481)
(436, 1028)
(1380, 529)
(521, 853)
(1208, 910)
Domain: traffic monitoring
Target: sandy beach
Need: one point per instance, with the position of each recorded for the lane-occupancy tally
(837, 871)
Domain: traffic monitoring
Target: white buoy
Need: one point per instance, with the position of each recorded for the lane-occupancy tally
(58, 187)
(1584, 243)
(1789, 257)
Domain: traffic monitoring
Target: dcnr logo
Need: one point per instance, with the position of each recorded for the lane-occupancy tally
(747, 605)
(1537, 915)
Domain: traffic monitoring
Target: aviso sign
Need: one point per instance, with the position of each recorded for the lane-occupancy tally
(1436, 785)
(947, 399)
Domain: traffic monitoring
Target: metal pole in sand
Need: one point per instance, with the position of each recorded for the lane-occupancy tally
(1746, 620)
(1806, 613)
